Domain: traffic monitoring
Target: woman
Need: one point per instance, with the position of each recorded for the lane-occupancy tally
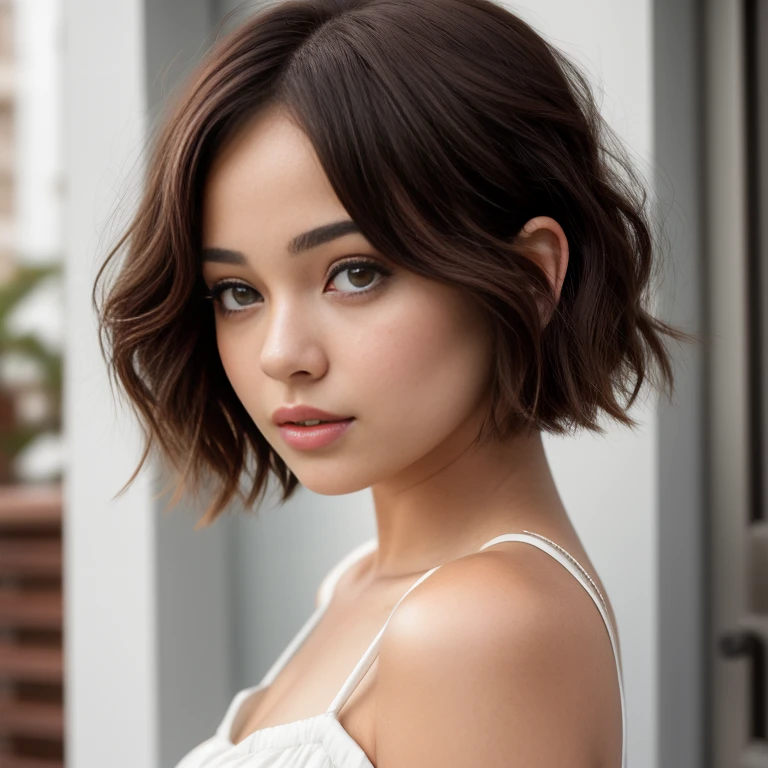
(407, 219)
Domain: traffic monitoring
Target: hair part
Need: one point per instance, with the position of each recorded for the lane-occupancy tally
(442, 126)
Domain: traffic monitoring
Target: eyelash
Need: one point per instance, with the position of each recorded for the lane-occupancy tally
(214, 294)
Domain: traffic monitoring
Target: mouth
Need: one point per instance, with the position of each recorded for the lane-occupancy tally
(314, 435)
(305, 415)
(313, 422)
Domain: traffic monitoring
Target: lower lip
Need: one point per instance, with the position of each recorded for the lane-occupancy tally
(306, 438)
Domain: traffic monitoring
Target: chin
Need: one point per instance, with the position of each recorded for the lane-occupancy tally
(330, 483)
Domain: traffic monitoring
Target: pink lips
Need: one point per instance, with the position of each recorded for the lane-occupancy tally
(304, 413)
(307, 438)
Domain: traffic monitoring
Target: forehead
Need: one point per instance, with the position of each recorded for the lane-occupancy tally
(267, 176)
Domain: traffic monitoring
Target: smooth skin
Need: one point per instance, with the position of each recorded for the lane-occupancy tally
(500, 658)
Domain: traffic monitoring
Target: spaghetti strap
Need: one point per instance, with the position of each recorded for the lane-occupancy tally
(542, 543)
(574, 567)
(369, 656)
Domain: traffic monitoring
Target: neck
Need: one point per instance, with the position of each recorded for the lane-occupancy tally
(457, 498)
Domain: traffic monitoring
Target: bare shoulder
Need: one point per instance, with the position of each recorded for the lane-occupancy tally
(497, 659)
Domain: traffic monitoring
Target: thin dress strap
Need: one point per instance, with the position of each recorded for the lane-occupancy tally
(571, 564)
(358, 673)
(542, 543)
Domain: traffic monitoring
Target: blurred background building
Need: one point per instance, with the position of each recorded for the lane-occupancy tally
(31, 322)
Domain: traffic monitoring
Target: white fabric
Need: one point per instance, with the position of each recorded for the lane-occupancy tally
(321, 741)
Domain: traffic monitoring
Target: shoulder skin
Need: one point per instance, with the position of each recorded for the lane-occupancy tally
(499, 659)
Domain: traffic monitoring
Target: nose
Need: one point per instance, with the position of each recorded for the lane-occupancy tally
(292, 344)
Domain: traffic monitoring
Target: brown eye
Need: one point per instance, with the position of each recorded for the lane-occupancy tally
(361, 277)
(357, 277)
(234, 297)
(242, 295)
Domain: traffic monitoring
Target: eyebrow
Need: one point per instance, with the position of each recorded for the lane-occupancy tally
(299, 244)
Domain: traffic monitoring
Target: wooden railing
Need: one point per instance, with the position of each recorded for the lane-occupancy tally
(31, 628)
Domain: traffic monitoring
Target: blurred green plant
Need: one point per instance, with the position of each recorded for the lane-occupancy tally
(15, 435)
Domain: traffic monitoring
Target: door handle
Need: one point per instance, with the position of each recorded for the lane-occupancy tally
(742, 643)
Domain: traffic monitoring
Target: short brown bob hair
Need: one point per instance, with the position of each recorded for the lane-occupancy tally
(443, 126)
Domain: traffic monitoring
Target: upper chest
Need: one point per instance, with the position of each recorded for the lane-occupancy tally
(312, 678)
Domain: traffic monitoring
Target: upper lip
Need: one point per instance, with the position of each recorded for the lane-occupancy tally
(304, 413)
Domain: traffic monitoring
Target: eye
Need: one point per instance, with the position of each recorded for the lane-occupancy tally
(231, 297)
(360, 275)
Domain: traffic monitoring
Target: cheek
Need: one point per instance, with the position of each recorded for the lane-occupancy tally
(426, 367)
(242, 369)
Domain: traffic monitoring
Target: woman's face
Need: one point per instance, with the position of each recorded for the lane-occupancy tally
(407, 357)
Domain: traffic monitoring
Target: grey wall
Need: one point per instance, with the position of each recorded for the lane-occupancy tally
(109, 543)
(194, 569)
(682, 502)
(280, 554)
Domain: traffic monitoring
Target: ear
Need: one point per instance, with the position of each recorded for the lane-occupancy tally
(547, 245)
